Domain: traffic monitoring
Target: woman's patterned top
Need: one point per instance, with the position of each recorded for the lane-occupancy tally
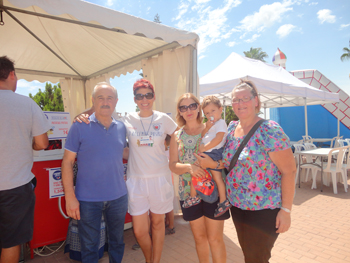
(255, 181)
(187, 145)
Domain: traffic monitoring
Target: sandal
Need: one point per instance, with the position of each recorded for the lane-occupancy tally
(169, 231)
(222, 208)
(136, 246)
(191, 201)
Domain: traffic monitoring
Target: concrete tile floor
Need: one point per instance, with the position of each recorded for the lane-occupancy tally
(320, 232)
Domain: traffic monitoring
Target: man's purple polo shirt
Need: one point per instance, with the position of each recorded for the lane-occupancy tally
(100, 159)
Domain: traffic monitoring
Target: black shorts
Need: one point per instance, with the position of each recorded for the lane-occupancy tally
(16, 215)
(216, 155)
(202, 209)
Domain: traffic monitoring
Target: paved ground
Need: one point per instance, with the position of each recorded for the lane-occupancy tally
(320, 233)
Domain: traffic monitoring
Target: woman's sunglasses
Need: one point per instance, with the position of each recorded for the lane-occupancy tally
(192, 106)
(148, 96)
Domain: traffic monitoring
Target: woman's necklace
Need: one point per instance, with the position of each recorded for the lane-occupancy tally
(193, 130)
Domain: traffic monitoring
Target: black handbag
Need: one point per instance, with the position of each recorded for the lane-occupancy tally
(244, 142)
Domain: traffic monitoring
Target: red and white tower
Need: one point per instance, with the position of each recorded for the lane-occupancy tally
(279, 58)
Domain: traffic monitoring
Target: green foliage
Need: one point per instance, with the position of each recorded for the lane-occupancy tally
(230, 115)
(50, 99)
(256, 53)
(346, 55)
(137, 108)
(157, 19)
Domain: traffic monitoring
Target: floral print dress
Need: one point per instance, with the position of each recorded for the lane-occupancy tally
(187, 145)
(255, 181)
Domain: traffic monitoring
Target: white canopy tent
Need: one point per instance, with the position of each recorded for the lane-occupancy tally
(80, 44)
(276, 86)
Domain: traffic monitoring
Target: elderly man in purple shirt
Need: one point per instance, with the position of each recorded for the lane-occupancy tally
(100, 187)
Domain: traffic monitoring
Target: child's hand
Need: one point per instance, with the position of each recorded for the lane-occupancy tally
(201, 148)
(209, 124)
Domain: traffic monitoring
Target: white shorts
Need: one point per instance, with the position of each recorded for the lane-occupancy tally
(155, 194)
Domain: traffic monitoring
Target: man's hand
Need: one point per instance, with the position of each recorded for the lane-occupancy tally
(40, 142)
(72, 208)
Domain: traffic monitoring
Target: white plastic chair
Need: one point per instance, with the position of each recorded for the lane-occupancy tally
(310, 159)
(335, 142)
(307, 138)
(340, 143)
(343, 143)
(334, 168)
(309, 146)
(347, 141)
(346, 164)
(297, 149)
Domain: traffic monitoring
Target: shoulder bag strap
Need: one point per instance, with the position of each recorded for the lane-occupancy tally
(244, 142)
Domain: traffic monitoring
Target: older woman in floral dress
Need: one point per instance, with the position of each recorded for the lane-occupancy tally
(261, 184)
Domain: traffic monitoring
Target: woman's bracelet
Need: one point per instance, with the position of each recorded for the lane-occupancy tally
(217, 167)
(285, 209)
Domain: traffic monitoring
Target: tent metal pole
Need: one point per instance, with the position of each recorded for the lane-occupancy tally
(85, 95)
(192, 80)
(224, 111)
(194, 72)
(265, 113)
(61, 19)
(42, 42)
(47, 73)
(305, 111)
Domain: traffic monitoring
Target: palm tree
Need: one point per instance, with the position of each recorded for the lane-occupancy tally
(346, 55)
(256, 53)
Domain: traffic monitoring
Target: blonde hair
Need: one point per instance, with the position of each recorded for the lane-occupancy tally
(211, 99)
(249, 85)
(179, 119)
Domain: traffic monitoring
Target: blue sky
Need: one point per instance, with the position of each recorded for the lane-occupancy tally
(311, 33)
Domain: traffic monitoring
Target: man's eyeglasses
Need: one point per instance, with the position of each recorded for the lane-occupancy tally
(192, 106)
(244, 99)
(148, 96)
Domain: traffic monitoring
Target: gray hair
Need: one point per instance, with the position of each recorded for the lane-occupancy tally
(104, 84)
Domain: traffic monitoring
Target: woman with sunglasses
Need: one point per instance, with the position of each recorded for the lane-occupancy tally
(260, 186)
(207, 229)
(150, 190)
(148, 171)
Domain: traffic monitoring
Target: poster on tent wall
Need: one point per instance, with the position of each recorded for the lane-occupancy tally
(55, 182)
(60, 124)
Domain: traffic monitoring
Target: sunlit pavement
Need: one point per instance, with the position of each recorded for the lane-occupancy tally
(320, 232)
